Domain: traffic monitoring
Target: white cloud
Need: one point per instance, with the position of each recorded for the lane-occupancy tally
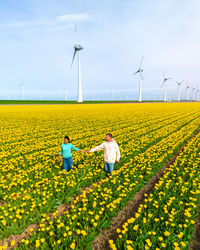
(73, 17)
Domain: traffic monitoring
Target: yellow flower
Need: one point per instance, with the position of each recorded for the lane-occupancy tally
(3, 222)
(83, 232)
(148, 242)
(26, 242)
(12, 243)
(129, 247)
(73, 245)
(42, 240)
(166, 233)
(131, 220)
(129, 242)
(183, 244)
(37, 243)
(180, 235)
(3, 247)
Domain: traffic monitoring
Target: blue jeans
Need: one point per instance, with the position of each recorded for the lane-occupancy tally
(109, 167)
(67, 163)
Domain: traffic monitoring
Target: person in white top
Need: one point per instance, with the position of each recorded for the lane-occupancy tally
(111, 153)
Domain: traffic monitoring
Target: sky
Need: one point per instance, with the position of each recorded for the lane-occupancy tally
(37, 39)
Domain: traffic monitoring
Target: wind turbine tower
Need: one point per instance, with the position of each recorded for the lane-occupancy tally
(164, 84)
(197, 91)
(179, 90)
(140, 70)
(187, 92)
(77, 49)
(193, 90)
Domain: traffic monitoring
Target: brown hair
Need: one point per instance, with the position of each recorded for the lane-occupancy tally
(109, 134)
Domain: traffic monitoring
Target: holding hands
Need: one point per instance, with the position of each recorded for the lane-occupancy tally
(84, 151)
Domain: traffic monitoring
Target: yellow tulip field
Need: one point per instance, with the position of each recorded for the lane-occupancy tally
(43, 207)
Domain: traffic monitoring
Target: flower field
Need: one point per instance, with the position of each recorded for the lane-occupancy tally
(167, 217)
(42, 206)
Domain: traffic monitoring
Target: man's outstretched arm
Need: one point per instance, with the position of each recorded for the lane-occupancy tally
(97, 148)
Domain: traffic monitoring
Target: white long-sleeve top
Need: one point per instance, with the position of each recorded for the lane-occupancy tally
(111, 151)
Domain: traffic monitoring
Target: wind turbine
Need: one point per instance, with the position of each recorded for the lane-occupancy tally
(164, 83)
(22, 87)
(179, 90)
(140, 70)
(187, 92)
(197, 91)
(77, 49)
(193, 90)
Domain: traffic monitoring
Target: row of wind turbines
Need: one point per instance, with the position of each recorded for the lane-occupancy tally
(77, 50)
(165, 85)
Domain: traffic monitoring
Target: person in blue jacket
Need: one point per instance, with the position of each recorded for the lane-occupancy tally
(66, 153)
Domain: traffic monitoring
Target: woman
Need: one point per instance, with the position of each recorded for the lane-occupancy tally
(66, 153)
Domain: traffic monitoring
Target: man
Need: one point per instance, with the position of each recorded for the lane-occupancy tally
(111, 153)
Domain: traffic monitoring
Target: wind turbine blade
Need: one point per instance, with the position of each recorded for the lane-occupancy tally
(181, 81)
(163, 74)
(141, 61)
(73, 57)
(162, 83)
(136, 72)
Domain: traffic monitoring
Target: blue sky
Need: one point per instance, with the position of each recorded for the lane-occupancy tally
(37, 38)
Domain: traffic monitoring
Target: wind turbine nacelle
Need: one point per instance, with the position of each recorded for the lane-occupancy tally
(78, 47)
